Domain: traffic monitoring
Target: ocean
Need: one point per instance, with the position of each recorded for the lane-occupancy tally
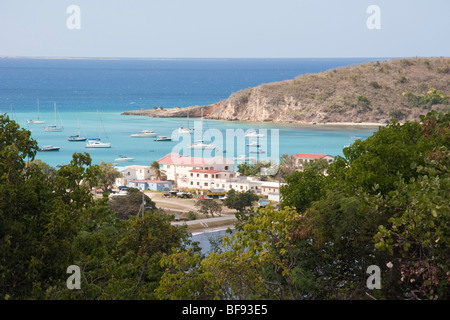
(86, 90)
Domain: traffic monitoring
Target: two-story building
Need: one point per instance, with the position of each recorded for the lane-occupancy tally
(197, 173)
(134, 173)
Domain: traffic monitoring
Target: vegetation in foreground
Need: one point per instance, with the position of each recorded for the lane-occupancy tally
(384, 203)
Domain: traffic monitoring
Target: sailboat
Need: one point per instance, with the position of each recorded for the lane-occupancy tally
(36, 121)
(54, 128)
(200, 144)
(182, 130)
(77, 138)
(97, 142)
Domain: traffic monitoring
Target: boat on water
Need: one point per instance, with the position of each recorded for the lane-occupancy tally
(182, 130)
(259, 150)
(245, 158)
(77, 138)
(254, 144)
(163, 138)
(97, 142)
(200, 144)
(254, 134)
(49, 148)
(54, 128)
(36, 121)
(124, 159)
(144, 134)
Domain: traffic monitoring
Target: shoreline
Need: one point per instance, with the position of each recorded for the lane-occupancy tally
(182, 113)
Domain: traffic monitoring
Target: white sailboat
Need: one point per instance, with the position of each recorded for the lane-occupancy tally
(36, 121)
(77, 138)
(55, 128)
(182, 130)
(200, 144)
(97, 142)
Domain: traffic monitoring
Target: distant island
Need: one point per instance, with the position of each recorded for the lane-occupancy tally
(369, 93)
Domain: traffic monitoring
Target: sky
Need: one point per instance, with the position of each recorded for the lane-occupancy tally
(224, 28)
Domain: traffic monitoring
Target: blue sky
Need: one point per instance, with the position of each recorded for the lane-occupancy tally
(225, 28)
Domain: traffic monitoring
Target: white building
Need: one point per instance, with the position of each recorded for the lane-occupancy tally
(211, 173)
(133, 173)
(197, 173)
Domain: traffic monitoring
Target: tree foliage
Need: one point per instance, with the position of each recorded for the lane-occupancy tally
(209, 207)
(385, 202)
(49, 221)
(239, 200)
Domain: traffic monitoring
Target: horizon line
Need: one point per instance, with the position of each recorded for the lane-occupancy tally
(201, 58)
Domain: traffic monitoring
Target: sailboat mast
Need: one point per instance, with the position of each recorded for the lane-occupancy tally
(98, 124)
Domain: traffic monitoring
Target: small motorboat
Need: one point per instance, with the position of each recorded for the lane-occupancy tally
(49, 148)
(253, 134)
(163, 138)
(124, 159)
(259, 150)
(144, 134)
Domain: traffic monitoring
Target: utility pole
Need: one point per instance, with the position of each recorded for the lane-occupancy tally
(142, 207)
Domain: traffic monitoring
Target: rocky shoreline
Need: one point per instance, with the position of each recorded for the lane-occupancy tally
(195, 112)
(368, 94)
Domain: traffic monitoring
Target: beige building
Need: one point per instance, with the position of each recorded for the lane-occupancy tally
(303, 158)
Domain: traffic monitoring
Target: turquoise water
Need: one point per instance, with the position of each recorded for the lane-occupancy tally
(117, 128)
(81, 87)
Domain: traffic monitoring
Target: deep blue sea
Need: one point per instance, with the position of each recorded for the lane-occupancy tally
(82, 87)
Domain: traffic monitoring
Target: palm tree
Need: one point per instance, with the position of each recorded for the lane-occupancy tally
(155, 166)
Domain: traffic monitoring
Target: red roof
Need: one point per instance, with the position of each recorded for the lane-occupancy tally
(151, 181)
(175, 158)
(310, 155)
(205, 171)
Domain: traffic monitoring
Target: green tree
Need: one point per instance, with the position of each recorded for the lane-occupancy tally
(302, 188)
(287, 165)
(155, 166)
(39, 216)
(239, 200)
(209, 207)
(129, 205)
(107, 176)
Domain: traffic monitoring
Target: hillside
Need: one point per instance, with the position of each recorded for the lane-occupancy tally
(367, 93)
